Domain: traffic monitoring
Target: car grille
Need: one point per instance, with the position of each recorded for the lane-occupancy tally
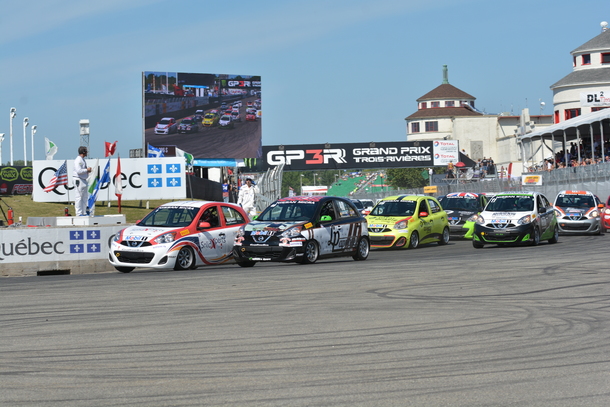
(265, 252)
(130, 257)
(579, 226)
(136, 243)
(500, 225)
(379, 230)
(381, 240)
(574, 217)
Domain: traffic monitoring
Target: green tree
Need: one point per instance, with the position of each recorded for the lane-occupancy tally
(406, 178)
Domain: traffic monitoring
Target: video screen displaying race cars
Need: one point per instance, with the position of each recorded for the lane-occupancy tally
(206, 115)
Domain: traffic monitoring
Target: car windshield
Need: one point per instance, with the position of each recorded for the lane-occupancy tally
(511, 203)
(187, 121)
(209, 116)
(358, 204)
(170, 216)
(394, 208)
(288, 211)
(459, 203)
(574, 201)
(225, 118)
(164, 121)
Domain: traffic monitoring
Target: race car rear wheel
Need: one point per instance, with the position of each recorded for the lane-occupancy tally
(311, 252)
(185, 259)
(414, 240)
(125, 269)
(444, 237)
(246, 263)
(362, 250)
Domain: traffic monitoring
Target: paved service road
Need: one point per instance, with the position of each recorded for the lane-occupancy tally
(436, 326)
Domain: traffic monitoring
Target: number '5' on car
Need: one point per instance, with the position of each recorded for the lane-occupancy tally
(303, 229)
(180, 235)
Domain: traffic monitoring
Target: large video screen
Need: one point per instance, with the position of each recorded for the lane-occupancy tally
(206, 115)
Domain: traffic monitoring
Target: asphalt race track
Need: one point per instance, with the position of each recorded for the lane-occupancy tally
(436, 326)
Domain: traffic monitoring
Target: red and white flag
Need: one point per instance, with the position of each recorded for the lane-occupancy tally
(110, 148)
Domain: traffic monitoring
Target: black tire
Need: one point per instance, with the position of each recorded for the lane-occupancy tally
(444, 237)
(535, 237)
(185, 259)
(362, 250)
(477, 245)
(246, 263)
(414, 240)
(124, 269)
(311, 254)
(555, 237)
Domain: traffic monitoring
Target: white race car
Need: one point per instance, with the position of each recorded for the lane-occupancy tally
(180, 235)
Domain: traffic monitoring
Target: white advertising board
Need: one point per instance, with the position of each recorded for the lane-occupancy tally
(142, 178)
(445, 151)
(599, 98)
(56, 244)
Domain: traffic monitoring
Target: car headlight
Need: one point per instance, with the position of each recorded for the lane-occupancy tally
(165, 238)
(117, 237)
(607, 211)
(594, 214)
(479, 219)
(291, 232)
(557, 214)
(401, 224)
(473, 218)
(526, 219)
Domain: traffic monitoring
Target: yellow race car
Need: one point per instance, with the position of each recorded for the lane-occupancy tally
(406, 221)
(210, 119)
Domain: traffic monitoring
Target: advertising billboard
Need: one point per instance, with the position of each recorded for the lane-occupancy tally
(207, 115)
(142, 178)
(362, 155)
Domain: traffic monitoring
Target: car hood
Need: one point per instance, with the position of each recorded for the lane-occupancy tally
(272, 227)
(138, 233)
(386, 220)
(452, 213)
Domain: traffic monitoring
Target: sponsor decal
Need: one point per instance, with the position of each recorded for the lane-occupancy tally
(184, 232)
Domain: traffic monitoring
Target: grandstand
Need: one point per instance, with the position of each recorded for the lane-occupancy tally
(343, 187)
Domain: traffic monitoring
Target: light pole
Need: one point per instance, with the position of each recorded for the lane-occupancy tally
(13, 114)
(302, 184)
(314, 179)
(33, 132)
(1, 140)
(26, 122)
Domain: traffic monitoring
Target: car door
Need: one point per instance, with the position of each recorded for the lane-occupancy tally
(546, 214)
(337, 234)
(439, 217)
(212, 238)
(233, 220)
(427, 221)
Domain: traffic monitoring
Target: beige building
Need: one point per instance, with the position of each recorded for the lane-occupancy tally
(449, 113)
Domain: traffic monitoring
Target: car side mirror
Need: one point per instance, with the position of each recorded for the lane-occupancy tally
(542, 210)
(423, 214)
(255, 217)
(601, 206)
(325, 218)
(204, 225)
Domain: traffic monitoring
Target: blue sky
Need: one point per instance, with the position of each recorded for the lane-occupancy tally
(332, 71)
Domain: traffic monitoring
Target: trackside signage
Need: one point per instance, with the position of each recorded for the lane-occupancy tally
(55, 244)
(362, 155)
(141, 178)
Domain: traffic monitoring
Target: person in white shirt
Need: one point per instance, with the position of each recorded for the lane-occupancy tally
(79, 175)
(247, 197)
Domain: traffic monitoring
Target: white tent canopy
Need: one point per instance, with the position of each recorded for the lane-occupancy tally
(593, 126)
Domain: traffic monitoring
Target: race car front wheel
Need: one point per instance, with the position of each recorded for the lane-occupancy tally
(185, 259)
(246, 263)
(125, 269)
(535, 236)
(311, 252)
(414, 240)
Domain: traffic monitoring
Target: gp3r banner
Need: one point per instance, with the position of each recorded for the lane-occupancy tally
(141, 178)
(362, 155)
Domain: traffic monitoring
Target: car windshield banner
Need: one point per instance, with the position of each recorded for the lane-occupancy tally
(362, 155)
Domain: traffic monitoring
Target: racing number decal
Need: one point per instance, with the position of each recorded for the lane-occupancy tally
(345, 243)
